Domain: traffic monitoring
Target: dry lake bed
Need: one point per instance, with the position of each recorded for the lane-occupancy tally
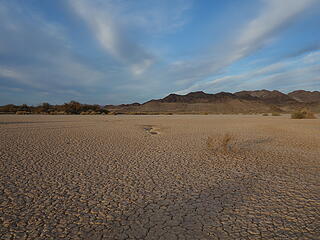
(159, 177)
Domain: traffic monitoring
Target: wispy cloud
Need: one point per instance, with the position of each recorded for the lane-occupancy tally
(35, 53)
(115, 51)
(273, 17)
(303, 71)
(116, 24)
(111, 35)
(160, 17)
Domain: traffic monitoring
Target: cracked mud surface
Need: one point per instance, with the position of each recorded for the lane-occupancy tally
(105, 177)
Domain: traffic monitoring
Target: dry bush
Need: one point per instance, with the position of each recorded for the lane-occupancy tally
(303, 114)
(58, 113)
(84, 113)
(265, 114)
(22, 112)
(223, 144)
(210, 143)
(276, 114)
(226, 142)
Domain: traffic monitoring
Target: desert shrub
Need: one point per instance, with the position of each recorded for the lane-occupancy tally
(226, 141)
(58, 113)
(210, 143)
(265, 114)
(84, 113)
(10, 108)
(22, 112)
(303, 114)
(276, 114)
(220, 143)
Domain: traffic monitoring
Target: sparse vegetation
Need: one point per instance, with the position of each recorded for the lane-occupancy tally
(276, 114)
(210, 143)
(226, 142)
(265, 114)
(223, 144)
(112, 113)
(72, 107)
(303, 114)
(22, 112)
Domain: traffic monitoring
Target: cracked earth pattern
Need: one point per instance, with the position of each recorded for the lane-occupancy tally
(108, 177)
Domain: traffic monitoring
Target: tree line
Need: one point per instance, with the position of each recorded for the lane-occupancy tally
(72, 107)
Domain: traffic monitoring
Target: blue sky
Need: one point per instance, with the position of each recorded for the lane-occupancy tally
(122, 51)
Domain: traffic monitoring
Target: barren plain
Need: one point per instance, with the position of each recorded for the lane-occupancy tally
(159, 177)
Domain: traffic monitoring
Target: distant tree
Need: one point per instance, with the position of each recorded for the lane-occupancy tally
(9, 108)
(24, 107)
(72, 107)
(45, 107)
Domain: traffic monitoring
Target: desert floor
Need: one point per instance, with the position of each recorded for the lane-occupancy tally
(159, 177)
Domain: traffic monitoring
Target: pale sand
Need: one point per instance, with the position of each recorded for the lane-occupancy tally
(106, 177)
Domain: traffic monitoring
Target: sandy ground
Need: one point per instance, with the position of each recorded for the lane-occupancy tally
(159, 177)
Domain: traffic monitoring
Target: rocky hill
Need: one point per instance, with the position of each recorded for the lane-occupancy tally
(240, 102)
(305, 96)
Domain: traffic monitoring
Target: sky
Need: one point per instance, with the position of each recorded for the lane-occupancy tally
(124, 51)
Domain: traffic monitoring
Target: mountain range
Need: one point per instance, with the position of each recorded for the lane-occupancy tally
(239, 102)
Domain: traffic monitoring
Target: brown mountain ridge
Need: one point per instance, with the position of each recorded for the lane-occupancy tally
(257, 101)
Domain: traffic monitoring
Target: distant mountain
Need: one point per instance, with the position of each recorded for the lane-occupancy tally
(273, 97)
(305, 96)
(240, 102)
(196, 97)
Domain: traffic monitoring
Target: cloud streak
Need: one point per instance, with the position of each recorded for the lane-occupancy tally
(302, 71)
(115, 51)
(111, 35)
(35, 54)
(273, 18)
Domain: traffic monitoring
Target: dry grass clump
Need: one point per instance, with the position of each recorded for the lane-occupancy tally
(265, 114)
(113, 113)
(210, 143)
(303, 114)
(276, 114)
(226, 142)
(22, 112)
(90, 112)
(223, 143)
(58, 113)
